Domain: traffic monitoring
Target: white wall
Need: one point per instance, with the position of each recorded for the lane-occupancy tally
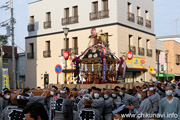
(56, 7)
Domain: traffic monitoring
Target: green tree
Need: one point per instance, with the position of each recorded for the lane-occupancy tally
(3, 40)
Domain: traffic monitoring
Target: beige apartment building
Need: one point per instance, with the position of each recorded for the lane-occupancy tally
(130, 22)
(172, 44)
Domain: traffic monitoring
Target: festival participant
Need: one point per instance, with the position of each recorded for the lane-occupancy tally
(16, 112)
(88, 113)
(128, 99)
(154, 98)
(74, 100)
(82, 92)
(108, 103)
(98, 101)
(116, 99)
(170, 106)
(63, 108)
(177, 90)
(145, 106)
(50, 101)
(5, 100)
(35, 111)
(28, 91)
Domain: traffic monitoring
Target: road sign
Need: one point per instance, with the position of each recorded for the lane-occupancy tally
(58, 69)
(150, 69)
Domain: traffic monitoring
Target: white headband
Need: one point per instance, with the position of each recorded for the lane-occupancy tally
(61, 91)
(144, 90)
(151, 88)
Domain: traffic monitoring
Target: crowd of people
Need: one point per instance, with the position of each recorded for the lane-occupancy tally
(148, 102)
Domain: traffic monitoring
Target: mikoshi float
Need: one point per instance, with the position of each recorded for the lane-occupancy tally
(98, 64)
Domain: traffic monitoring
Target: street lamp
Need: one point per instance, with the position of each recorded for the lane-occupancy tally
(66, 30)
(167, 51)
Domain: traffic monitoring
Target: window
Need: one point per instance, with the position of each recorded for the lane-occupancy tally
(129, 7)
(147, 44)
(31, 19)
(48, 16)
(48, 45)
(5, 61)
(138, 11)
(95, 6)
(130, 40)
(147, 15)
(66, 10)
(31, 47)
(75, 42)
(139, 42)
(105, 5)
(75, 11)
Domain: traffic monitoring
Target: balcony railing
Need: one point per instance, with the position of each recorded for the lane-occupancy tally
(94, 16)
(74, 19)
(149, 52)
(72, 51)
(130, 16)
(133, 50)
(47, 53)
(47, 24)
(30, 55)
(141, 51)
(30, 27)
(66, 21)
(148, 23)
(140, 20)
(104, 14)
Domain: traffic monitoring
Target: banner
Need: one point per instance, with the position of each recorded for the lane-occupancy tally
(136, 63)
(5, 78)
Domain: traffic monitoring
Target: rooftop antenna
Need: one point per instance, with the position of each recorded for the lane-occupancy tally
(176, 20)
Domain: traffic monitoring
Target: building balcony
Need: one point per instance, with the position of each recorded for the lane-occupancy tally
(133, 50)
(149, 52)
(104, 14)
(130, 17)
(30, 27)
(94, 16)
(66, 21)
(74, 19)
(139, 20)
(46, 53)
(141, 51)
(30, 55)
(72, 51)
(47, 24)
(148, 23)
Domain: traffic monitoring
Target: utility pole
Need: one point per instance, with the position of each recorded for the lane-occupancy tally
(176, 20)
(13, 56)
(1, 78)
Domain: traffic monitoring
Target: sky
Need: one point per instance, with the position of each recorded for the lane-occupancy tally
(165, 14)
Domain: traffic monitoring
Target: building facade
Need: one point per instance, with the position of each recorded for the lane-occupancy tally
(172, 44)
(20, 70)
(130, 22)
(7, 61)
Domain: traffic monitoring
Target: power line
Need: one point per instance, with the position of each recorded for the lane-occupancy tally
(17, 45)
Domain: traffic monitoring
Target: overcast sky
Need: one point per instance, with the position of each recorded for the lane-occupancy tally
(165, 14)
